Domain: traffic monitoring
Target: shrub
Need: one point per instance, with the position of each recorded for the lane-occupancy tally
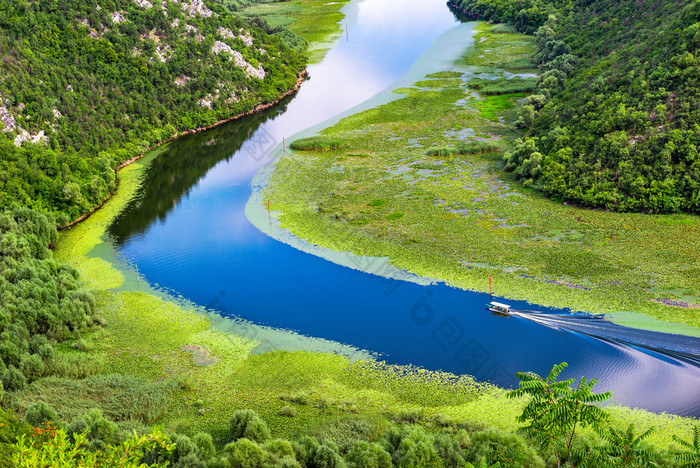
(32, 366)
(247, 423)
(468, 147)
(504, 85)
(326, 457)
(300, 398)
(244, 453)
(420, 455)
(205, 445)
(305, 449)
(39, 413)
(101, 429)
(13, 379)
(276, 450)
(496, 446)
(288, 411)
(366, 455)
(410, 416)
(183, 447)
(190, 460)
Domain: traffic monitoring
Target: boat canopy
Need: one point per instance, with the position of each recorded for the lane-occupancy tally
(498, 305)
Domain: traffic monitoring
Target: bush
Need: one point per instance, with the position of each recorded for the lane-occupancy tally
(183, 447)
(13, 379)
(326, 457)
(288, 411)
(305, 449)
(244, 453)
(40, 413)
(468, 147)
(366, 455)
(205, 446)
(277, 450)
(247, 423)
(496, 446)
(32, 366)
(504, 86)
(190, 460)
(420, 455)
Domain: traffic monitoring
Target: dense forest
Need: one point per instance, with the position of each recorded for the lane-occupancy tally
(615, 121)
(86, 85)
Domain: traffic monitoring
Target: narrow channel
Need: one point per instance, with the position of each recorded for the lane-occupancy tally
(187, 232)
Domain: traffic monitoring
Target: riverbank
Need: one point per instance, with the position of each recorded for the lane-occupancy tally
(259, 108)
(400, 187)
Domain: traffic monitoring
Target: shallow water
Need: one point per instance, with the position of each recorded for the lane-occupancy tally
(187, 232)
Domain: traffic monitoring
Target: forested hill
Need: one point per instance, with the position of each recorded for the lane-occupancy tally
(616, 122)
(86, 84)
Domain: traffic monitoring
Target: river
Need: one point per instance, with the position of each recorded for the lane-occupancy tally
(187, 233)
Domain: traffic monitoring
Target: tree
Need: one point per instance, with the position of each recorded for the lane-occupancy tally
(40, 413)
(247, 423)
(557, 409)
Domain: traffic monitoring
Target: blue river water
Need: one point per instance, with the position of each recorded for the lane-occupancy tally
(187, 232)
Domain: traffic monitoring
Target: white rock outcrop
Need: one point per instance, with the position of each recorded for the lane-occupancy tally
(26, 136)
(143, 3)
(117, 17)
(238, 59)
(8, 120)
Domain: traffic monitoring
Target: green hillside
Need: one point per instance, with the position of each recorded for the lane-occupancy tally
(86, 85)
(614, 124)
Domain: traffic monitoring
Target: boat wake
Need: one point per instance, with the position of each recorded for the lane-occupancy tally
(681, 348)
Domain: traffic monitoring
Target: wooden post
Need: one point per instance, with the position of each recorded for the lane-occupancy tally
(490, 289)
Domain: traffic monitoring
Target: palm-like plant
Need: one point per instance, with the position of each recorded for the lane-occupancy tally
(623, 449)
(557, 409)
(690, 457)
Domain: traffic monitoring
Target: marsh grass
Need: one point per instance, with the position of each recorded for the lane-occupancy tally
(504, 86)
(493, 107)
(317, 143)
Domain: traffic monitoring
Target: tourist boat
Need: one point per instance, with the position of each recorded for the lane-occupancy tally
(498, 308)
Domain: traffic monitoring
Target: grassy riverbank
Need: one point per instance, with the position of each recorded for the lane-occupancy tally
(420, 180)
